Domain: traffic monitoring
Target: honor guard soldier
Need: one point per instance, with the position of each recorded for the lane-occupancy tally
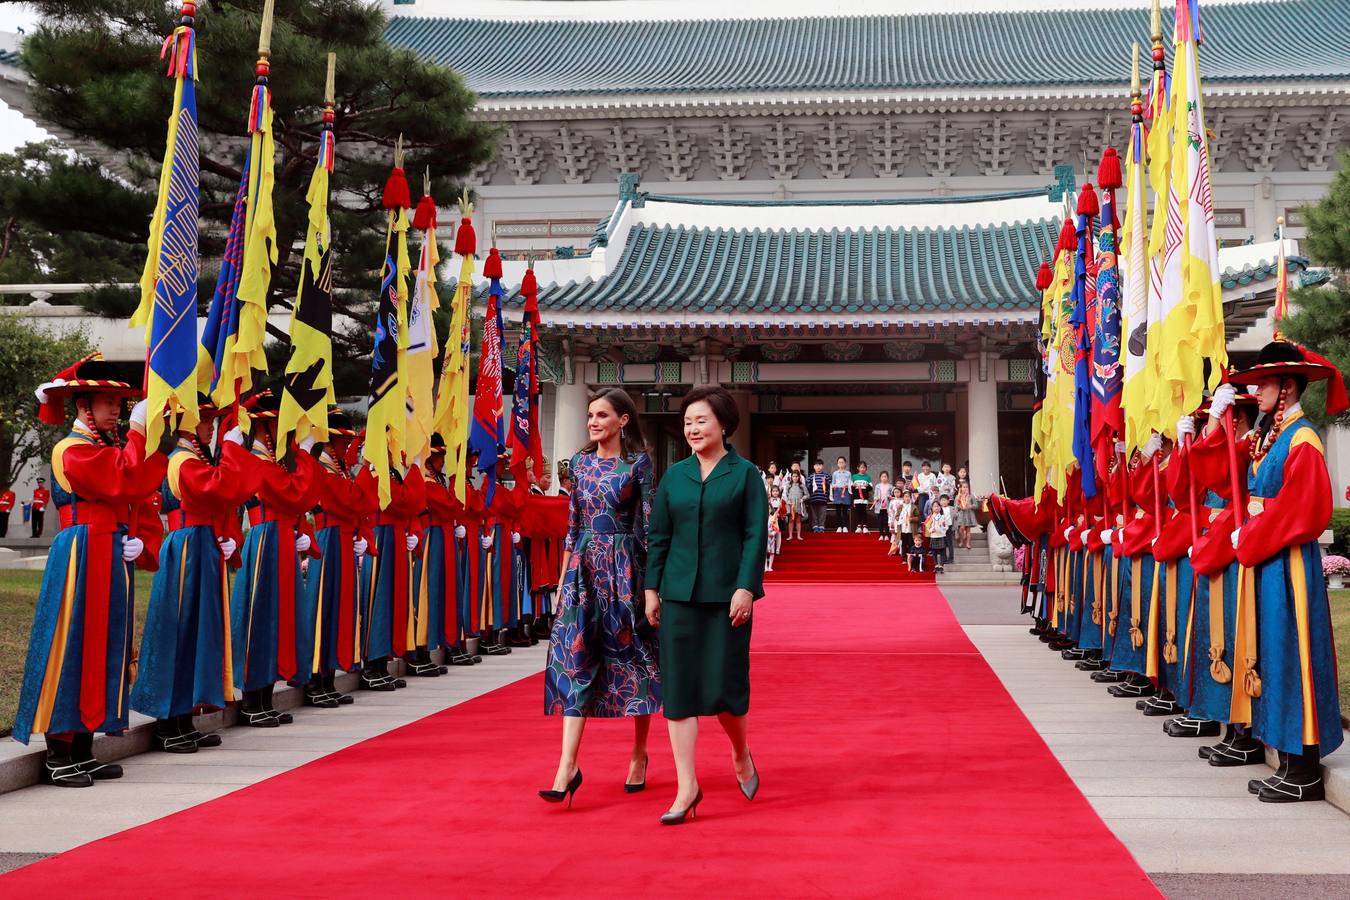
(271, 623)
(343, 539)
(1284, 681)
(186, 659)
(80, 658)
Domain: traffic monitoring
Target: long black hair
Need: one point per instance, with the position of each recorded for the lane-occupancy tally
(631, 440)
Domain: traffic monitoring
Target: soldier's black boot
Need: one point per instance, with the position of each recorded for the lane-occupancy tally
(169, 736)
(1302, 780)
(82, 752)
(60, 769)
(1243, 750)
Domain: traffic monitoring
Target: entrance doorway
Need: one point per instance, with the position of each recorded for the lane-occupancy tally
(882, 440)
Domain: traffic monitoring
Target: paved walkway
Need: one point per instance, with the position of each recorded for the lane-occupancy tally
(42, 820)
(1175, 813)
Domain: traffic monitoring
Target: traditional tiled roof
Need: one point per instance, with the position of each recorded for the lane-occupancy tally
(681, 268)
(1261, 41)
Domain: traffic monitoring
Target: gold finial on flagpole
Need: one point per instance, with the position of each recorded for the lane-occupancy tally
(426, 182)
(398, 152)
(1157, 23)
(265, 34)
(330, 83)
(1135, 90)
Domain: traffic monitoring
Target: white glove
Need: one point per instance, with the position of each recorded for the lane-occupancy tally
(307, 444)
(1224, 395)
(412, 542)
(1188, 552)
(1107, 536)
(1236, 531)
(1186, 425)
(1087, 533)
(1120, 446)
(360, 546)
(485, 542)
(1068, 530)
(227, 547)
(515, 537)
(139, 413)
(460, 531)
(1152, 445)
(132, 548)
(235, 436)
(1151, 542)
(302, 543)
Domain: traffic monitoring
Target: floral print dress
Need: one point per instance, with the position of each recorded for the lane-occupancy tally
(602, 658)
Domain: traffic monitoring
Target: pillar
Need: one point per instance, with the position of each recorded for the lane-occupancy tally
(741, 439)
(982, 426)
(569, 420)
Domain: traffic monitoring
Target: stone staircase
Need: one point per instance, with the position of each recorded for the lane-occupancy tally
(974, 566)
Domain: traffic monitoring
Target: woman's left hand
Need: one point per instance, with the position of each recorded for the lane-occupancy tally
(742, 604)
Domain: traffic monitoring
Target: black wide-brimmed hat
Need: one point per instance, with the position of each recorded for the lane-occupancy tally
(90, 375)
(1285, 359)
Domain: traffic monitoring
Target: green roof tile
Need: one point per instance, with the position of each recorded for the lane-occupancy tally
(1263, 40)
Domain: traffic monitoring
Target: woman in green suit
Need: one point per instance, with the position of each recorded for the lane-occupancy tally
(705, 562)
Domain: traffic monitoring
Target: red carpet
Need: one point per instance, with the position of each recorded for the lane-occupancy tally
(894, 765)
(840, 558)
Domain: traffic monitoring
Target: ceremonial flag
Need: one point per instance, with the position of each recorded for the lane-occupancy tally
(422, 349)
(386, 419)
(1157, 141)
(1107, 417)
(232, 342)
(168, 308)
(525, 439)
(1135, 393)
(487, 434)
(452, 396)
(1057, 411)
(1083, 320)
(1191, 329)
(308, 388)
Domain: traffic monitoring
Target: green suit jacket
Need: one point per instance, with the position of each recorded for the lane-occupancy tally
(706, 539)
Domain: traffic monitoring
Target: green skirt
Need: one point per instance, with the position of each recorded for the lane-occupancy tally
(705, 662)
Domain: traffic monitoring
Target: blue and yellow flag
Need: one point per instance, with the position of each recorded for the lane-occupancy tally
(232, 342)
(168, 308)
(386, 419)
(487, 428)
(452, 395)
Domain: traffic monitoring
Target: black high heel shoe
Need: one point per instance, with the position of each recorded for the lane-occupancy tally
(565, 794)
(678, 818)
(641, 785)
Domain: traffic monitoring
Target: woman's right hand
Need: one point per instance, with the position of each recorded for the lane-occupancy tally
(653, 609)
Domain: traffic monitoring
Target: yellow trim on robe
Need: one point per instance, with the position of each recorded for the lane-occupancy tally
(1299, 582)
(126, 638)
(318, 617)
(174, 475)
(252, 604)
(1307, 436)
(1151, 654)
(423, 600)
(59, 462)
(227, 673)
(56, 654)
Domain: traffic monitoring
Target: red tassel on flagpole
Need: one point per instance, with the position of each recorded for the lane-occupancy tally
(1068, 238)
(492, 268)
(1087, 202)
(396, 193)
(466, 242)
(424, 219)
(1108, 171)
(1044, 277)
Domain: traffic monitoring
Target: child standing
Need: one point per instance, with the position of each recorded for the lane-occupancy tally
(778, 507)
(818, 495)
(775, 543)
(881, 505)
(796, 501)
(862, 498)
(965, 516)
(841, 489)
(935, 533)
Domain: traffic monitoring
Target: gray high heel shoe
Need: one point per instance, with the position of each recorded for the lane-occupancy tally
(750, 787)
(679, 817)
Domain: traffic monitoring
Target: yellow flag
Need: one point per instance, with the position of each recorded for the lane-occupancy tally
(452, 396)
(421, 353)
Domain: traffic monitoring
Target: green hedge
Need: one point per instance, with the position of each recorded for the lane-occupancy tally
(1340, 529)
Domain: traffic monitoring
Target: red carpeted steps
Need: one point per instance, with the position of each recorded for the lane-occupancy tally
(841, 558)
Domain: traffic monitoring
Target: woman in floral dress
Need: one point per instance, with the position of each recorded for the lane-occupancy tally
(602, 657)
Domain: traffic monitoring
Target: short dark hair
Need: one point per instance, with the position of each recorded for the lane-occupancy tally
(928, 464)
(943, 497)
(844, 458)
(719, 401)
(818, 462)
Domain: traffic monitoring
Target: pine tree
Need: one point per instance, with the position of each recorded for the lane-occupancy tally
(96, 72)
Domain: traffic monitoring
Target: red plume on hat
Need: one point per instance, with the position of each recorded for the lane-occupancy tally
(1337, 400)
